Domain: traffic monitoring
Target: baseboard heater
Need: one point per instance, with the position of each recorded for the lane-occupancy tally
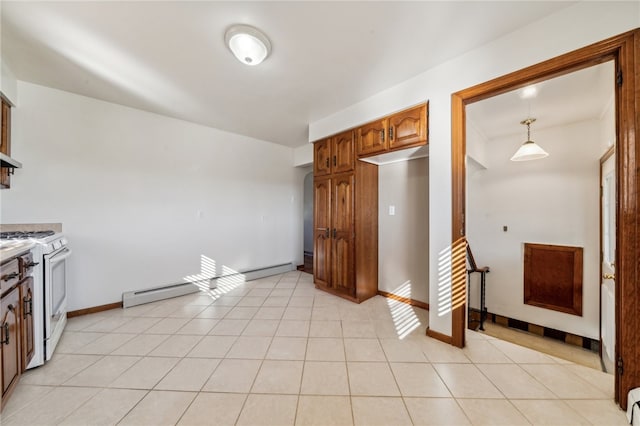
(139, 297)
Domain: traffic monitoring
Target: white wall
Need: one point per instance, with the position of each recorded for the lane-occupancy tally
(303, 155)
(476, 144)
(403, 239)
(142, 197)
(308, 211)
(608, 126)
(8, 83)
(550, 201)
(569, 29)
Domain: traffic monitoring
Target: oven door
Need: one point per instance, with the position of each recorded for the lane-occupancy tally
(55, 287)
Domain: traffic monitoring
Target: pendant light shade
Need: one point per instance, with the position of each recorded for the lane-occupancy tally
(529, 150)
(249, 45)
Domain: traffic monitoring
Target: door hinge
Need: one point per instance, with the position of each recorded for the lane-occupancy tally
(620, 366)
(619, 78)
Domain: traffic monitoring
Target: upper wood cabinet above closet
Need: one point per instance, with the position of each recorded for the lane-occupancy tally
(334, 154)
(373, 137)
(401, 130)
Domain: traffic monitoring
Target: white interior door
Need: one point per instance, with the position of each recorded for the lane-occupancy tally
(607, 288)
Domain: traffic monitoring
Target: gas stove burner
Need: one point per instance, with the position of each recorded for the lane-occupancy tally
(24, 235)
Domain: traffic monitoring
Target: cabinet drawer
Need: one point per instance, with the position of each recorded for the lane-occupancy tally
(9, 275)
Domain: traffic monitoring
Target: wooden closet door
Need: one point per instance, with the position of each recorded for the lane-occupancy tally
(322, 231)
(342, 262)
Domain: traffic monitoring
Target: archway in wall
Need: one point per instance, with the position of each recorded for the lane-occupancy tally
(624, 50)
(308, 223)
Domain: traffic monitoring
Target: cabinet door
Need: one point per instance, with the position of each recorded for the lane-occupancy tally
(9, 335)
(408, 128)
(322, 231)
(5, 141)
(343, 155)
(322, 157)
(342, 245)
(26, 297)
(372, 138)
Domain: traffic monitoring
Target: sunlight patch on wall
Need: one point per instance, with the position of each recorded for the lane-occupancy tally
(459, 273)
(404, 318)
(452, 277)
(444, 282)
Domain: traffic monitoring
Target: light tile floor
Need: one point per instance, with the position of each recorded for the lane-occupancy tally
(276, 351)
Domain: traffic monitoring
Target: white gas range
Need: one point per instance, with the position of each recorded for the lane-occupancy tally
(50, 254)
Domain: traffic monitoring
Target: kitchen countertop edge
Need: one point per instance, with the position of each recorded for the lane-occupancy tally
(7, 253)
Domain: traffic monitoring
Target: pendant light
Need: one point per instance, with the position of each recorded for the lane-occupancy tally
(529, 150)
(249, 45)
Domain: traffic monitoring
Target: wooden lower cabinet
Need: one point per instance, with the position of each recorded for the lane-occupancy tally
(10, 341)
(26, 321)
(344, 203)
(17, 343)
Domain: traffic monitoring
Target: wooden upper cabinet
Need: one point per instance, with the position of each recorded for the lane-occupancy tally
(373, 137)
(401, 130)
(343, 154)
(334, 155)
(322, 157)
(5, 141)
(408, 128)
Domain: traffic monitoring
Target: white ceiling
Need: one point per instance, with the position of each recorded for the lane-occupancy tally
(169, 57)
(579, 96)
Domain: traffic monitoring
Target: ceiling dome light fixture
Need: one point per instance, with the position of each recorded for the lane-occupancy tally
(248, 44)
(529, 150)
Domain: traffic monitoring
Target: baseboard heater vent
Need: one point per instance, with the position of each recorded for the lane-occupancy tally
(139, 297)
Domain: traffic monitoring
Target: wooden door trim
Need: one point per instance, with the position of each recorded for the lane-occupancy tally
(624, 50)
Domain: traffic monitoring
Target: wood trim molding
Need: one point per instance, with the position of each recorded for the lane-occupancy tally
(94, 309)
(438, 336)
(408, 301)
(624, 50)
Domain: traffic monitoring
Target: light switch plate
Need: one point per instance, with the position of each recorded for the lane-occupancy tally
(392, 210)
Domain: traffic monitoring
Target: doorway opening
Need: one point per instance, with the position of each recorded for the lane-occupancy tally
(307, 265)
(530, 221)
(624, 51)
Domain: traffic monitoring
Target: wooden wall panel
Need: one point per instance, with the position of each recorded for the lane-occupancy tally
(553, 277)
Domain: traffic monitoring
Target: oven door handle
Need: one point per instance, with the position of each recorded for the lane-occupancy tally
(60, 256)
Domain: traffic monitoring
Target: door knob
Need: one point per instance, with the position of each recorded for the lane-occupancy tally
(608, 276)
